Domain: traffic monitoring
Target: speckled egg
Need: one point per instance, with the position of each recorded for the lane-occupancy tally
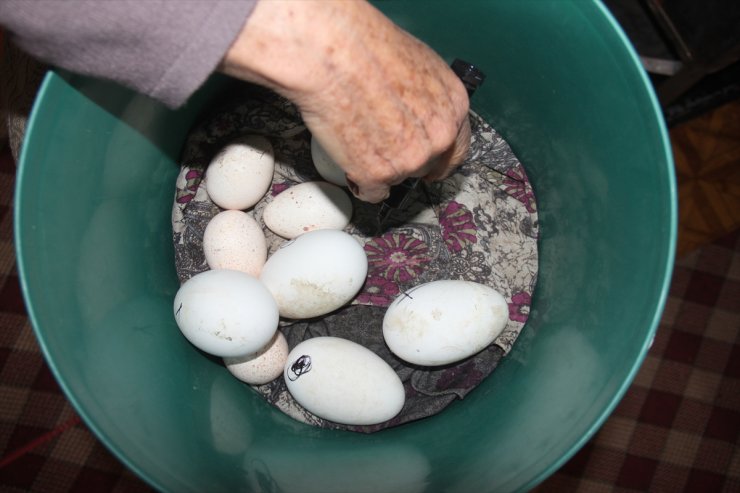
(226, 313)
(234, 240)
(241, 173)
(263, 366)
(307, 207)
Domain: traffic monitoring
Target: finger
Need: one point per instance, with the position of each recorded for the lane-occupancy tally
(454, 156)
(368, 193)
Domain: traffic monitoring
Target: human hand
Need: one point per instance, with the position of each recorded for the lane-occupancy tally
(383, 104)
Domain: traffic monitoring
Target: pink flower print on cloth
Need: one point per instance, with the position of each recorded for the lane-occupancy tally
(279, 187)
(193, 177)
(458, 227)
(396, 258)
(378, 291)
(479, 224)
(516, 185)
(519, 306)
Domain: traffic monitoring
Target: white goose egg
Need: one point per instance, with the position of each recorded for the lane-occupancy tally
(226, 313)
(241, 173)
(263, 366)
(315, 273)
(325, 165)
(342, 381)
(444, 321)
(307, 207)
(234, 240)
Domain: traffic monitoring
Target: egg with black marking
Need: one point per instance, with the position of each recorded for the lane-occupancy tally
(226, 313)
(444, 321)
(342, 381)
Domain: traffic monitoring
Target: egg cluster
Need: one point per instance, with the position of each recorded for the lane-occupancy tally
(234, 309)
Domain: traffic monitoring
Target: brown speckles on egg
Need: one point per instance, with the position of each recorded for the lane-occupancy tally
(307, 207)
(261, 367)
(241, 173)
(234, 240)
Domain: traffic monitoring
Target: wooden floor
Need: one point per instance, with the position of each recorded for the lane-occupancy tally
(707, 155)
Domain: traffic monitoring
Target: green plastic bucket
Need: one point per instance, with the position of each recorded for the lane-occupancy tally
(94, 194)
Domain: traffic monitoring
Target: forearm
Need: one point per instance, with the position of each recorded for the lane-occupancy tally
(286, 45)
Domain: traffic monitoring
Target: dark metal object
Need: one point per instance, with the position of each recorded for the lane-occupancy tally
(472, 78)
(399, 196)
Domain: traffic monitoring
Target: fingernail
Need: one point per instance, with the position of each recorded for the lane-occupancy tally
(353, 187)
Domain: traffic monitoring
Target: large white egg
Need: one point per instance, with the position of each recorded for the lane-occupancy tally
(241, 173)
(234, 240)
(342, 381)
(306, 207)
(444, 321)
(263, 366)
(315, 273)
(325, 165)
(226, 312)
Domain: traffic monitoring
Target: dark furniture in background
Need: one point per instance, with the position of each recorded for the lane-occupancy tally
(690, 48)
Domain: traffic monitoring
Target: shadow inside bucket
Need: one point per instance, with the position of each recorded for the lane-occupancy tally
(163, 127)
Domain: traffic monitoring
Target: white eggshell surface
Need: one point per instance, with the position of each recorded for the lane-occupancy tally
(263, 366)
(444, 321)
(325, 165)
(241, 173)
(315, 273)
(226, 312)
(342, 381)
(306, 207)
(234, 240)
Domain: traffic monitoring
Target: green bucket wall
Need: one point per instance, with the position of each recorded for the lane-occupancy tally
(93, 200)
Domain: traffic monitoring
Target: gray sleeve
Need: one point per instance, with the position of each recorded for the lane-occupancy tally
(163, 48)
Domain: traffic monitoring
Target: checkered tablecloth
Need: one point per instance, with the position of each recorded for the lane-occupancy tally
(677, 427)
(675, 430)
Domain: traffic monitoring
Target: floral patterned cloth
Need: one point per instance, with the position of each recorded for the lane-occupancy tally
(480, 224)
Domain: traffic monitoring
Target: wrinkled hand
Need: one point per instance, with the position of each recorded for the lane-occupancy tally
(383, 104)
